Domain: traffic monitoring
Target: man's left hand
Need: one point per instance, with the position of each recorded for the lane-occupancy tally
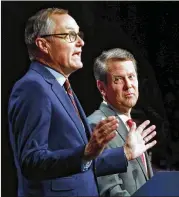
(137, 141)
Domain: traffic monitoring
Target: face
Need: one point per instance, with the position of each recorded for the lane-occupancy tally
(64, 56)
(121, 90)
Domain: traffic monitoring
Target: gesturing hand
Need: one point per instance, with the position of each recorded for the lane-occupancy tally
(137, 140)
(102, 134)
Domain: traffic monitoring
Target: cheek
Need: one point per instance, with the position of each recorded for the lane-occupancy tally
(64, 53)
(63, 57)
(115, 92)
(136, 85)
(119, 90)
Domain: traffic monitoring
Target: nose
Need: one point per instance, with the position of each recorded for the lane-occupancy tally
(128, 83)
(80, 42)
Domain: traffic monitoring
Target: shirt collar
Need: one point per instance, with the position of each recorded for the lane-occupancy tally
(58, 76)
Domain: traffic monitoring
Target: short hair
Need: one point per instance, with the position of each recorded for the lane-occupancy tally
(100, 65)
(40, 24)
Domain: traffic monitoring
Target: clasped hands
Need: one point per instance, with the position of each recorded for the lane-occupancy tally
(137, 141)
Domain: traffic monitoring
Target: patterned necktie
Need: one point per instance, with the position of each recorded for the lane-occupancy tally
(69, 91)
(129, 123)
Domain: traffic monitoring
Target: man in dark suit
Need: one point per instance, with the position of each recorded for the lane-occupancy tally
(55, 152)
(115, 71)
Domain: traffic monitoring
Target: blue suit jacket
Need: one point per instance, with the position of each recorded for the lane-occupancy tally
(48, 140)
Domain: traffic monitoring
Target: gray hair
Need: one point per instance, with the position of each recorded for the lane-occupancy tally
(40, 24)
(100, 65)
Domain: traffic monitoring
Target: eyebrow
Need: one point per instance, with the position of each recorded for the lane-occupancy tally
(116, 75)
(131, 73)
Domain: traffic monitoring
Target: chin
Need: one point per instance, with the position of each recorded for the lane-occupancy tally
(131, 103)
(77, 65)
(80, 66)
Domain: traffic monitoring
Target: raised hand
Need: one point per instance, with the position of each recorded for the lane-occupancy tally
(102, 134)
(137, 140)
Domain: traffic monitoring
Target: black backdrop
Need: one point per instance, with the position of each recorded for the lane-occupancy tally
(150, 30)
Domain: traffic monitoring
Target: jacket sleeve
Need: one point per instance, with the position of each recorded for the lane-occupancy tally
(29, 123)
(111, 161)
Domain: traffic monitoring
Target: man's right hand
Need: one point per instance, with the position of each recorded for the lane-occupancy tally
(102, 134)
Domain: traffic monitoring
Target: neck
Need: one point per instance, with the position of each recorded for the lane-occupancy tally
(122, 110)
(52, 66)
(126, 112)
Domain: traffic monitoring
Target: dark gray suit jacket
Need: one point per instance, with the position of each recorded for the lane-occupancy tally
(122, 184)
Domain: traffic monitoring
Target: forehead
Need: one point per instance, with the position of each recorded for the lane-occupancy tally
(120, 67)
(64, 22)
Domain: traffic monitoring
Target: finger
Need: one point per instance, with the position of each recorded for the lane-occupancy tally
(133, 128)
(103, 134)
(109, 137)
(105, 121)
(108, 127)
(141, 127)
(150, 145)
(148, 130)
(103, 140)
(108, 119)
(149, 137)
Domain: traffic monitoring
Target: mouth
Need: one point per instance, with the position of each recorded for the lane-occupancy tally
(128, 95)
(77, 54)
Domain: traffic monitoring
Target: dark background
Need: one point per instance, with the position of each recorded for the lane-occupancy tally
(150, 30)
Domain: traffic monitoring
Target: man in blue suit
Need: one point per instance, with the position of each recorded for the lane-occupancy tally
(55, 152)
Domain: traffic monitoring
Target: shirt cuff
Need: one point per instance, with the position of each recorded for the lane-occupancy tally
(85, 165)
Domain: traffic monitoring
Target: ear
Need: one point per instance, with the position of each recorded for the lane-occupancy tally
(42, 44)
(101, 87)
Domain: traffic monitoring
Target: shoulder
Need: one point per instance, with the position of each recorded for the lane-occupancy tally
(95, 118)
(29, 90)
(31, 83)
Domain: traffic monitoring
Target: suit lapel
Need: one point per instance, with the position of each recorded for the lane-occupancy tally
(62, 96)
(149, 167)
(83, 118)
(110, 112)
(139, 160)
(67, 104)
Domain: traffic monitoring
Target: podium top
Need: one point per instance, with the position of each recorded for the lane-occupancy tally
(163, 183)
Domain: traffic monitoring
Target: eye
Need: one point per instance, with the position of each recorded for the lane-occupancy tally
(117, 79)
(72, 34)
(131, 76)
